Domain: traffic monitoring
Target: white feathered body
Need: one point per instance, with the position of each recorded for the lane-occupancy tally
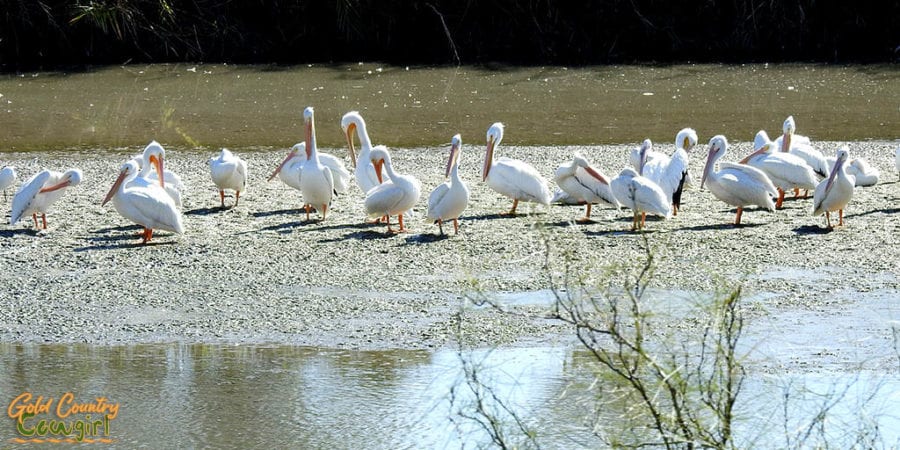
(30, 200)
(518, 180)
(228, 171)
(640, 194)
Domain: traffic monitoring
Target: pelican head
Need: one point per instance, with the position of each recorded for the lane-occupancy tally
(494, 136)
(841, 158)
(455, 149)
(788, 128)
(379, 156)
(128, 170)
(718, 145)
(71, 177)
(155, 154)
(297, 150)
(646, 146)
(761, 144)
(686, 139)
(582, 162)
(349, 123)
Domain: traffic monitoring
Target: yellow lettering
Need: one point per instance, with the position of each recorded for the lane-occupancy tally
(16, 409)
(66, 398)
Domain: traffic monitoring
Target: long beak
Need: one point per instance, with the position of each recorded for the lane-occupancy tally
(114, 188)
(309, 137)
(451, 161)
(686, 144)
(350, 129)
(596, 175)
(378, 164)
(158, 165)
(56, 186)
(708, 168)
(832, 176)
(786, 142)
(488, 159)
(761, 150)
(281, 166)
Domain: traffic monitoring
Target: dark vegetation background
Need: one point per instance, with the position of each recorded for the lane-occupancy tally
(47, 33)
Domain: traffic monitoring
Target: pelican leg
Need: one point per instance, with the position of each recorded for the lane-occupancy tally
(840, 217)
(324, 211)
(237, 197)
(780, 198)
(828, 219)
(34, 218)
(737, 218)
(634, 222)
(797, 193)
(643, 219)
(456, 226)
(400, 219)
(147, 235)
(388, 222)
(674, 209)
(587, 215)
(440, 228)
(44, 219)
(307, 212)
(222, 197)
(512, 212)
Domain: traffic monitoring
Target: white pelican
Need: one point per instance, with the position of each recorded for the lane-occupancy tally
(145, 204)
(316, 181)
(364, 171)
(859, 169)
(394, 197)
(154, 156)
(802, 147)
(785, 170)
(640, 195)
(40, 191)
(584, 184)
(449, 199)
(671, 174)
(513, 178)
(7, 178)
(228, 172)
(833, 193)
(736, 184)
(290, 168)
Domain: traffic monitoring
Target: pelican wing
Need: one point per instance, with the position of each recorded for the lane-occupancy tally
(26, 195)
(384, 200)
(519, 180)
(150, 207)
(339, 172)
(434, 201)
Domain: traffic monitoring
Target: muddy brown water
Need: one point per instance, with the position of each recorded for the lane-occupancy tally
(238, 106)
(219, 395)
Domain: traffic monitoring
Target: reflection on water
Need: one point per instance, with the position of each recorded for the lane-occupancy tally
(240, 106)
(218, 396)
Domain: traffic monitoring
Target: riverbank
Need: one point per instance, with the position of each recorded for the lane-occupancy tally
(260, 273)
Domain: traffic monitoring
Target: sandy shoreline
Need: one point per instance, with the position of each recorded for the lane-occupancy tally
(260, 273)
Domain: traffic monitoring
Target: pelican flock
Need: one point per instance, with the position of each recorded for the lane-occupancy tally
(148, 194)
(785, 170)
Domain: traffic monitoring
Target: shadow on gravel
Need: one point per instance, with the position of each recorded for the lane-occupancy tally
(812, 229)
(133, 242)
(287, 227)
(498, 216)
(118, 229)
(875, 211)
(426, 238)
(365, 235)
(207, 211)
(18, 231)
(720, 226)
(278, 212)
